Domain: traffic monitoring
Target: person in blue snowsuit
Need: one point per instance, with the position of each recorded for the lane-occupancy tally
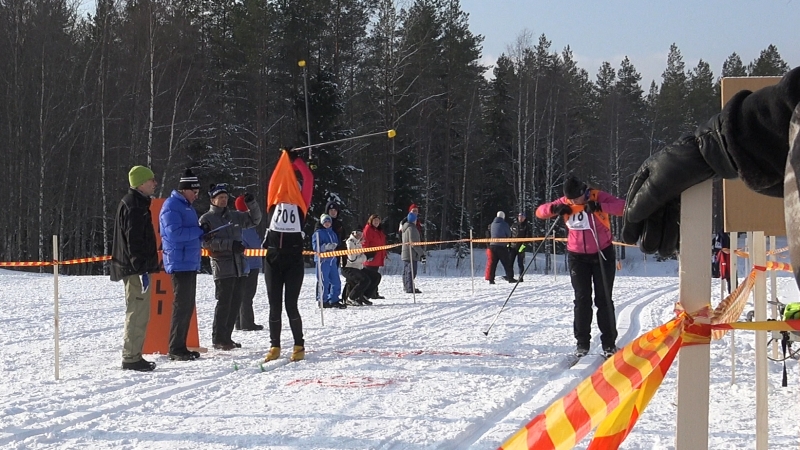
(326, 240)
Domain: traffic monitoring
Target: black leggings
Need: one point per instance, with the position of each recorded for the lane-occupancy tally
(284, 272)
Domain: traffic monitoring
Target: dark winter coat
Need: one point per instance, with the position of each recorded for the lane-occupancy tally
(338, 227)
(225, 263)
(180, 235)
(500, 230)
(133, 251)
(411, 234)
(521, 230)
(251, 239)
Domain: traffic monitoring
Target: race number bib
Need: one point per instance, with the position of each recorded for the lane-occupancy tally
(285, 219)
(579, 221)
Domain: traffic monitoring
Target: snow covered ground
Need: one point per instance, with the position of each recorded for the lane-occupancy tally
(398, 375)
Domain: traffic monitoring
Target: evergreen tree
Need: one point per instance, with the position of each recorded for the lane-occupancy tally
(768, 64)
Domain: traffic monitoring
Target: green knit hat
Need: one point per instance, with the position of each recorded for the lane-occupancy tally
(139, 174)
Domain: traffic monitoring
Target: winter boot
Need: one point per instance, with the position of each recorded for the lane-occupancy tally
(365, 301)
(581, 351)
(273, 354)
(141, 365)
(608, 352)
(298, 353)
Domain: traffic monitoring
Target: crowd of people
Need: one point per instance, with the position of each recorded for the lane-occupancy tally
(228, 228)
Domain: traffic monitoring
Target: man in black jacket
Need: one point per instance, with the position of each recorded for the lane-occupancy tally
(133, 258)
(755, 137)
(521, 229)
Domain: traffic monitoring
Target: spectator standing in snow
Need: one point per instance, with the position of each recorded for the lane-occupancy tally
(246, 320)
(326, 240)
(412, 209)
(133, 258)
(181, 238)
(488, 273)
(374, 237)
(333, 209)
(500, 230)
(411, 253)
(287, 206)
(591, 258)
(521, 229)
(228, 263)
(354, 272)
(720, 250)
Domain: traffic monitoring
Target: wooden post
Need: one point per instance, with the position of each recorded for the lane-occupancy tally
(694, 292)
(472, 263)
(773, 283)
(55, 302)
(734, 270)
(758, 255)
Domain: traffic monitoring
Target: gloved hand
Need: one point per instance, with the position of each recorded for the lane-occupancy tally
(522, 248)
(592, 207)
(145, 279)
(248, 197)
(329, 247)
(652, 210)
(560, 209)
(237, 247)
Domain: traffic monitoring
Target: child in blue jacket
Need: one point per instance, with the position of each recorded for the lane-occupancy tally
(323, 240)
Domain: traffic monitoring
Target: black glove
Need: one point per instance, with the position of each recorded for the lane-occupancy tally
(560, 209)
(592, 207)
(652, 210)
(237, 247)
(248, 197)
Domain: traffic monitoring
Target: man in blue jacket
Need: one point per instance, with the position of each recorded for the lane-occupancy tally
(181, 237)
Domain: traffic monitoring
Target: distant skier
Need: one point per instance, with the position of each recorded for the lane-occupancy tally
(591, 258)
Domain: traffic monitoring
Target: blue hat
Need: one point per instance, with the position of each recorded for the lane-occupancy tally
(522, 214)
(217, 189)
(412, 217)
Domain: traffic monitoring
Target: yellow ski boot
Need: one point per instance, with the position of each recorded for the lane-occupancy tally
(273, 354)
(298, 353)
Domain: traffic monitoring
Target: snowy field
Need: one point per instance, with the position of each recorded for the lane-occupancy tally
(397, 375)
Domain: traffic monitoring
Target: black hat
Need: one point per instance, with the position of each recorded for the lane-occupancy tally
(188, 181)
(217, 189)
(573, 187)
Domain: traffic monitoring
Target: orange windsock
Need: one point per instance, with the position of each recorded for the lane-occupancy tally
(283, 185)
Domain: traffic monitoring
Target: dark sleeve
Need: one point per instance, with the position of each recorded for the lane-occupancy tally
(138, 219)
(755, 127)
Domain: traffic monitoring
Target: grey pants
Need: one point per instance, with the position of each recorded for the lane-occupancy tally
(137, 314)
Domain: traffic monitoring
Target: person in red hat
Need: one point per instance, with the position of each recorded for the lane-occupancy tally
(415, 210)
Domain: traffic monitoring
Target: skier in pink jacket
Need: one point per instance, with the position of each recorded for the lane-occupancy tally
(591, 258)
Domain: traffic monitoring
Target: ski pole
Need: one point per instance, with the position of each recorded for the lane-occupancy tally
(390, 134)
(486, 333)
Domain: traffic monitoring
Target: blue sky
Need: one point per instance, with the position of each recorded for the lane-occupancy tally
(609, 30)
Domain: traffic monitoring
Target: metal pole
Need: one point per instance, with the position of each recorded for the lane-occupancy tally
(555, 260)
(320, 286)
(389, 133)
(302, 64)
(471, 263)
(55, 301)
